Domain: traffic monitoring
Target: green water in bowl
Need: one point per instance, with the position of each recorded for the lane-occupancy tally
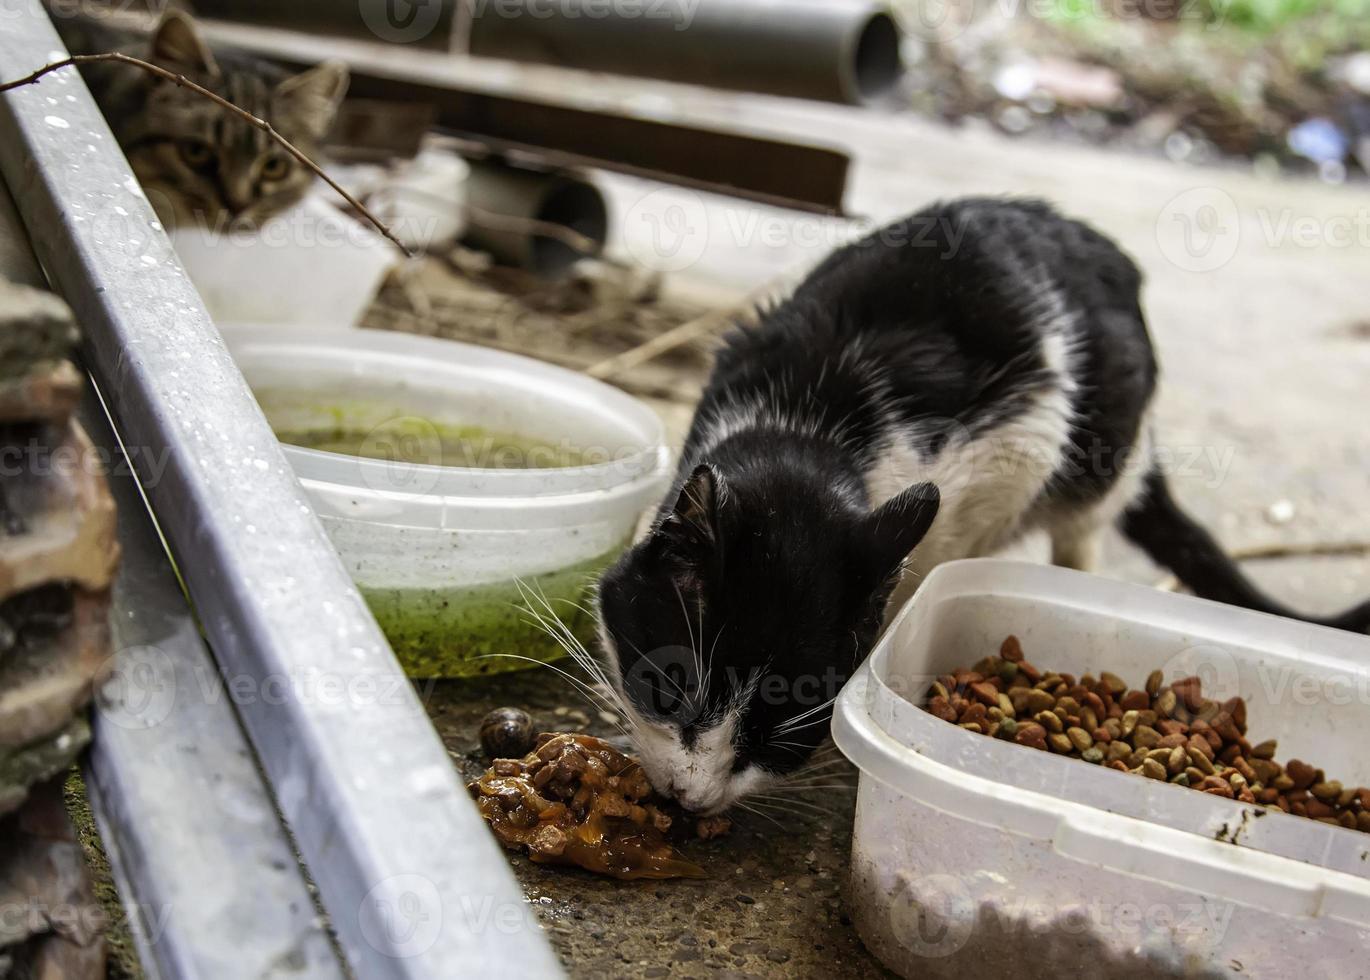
(419, 441)
(486, 629)
(450, 632)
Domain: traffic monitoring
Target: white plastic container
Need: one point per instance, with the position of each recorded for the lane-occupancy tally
(974, 857)
(312, 264)
(443, 548)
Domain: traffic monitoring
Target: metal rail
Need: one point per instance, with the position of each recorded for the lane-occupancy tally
(412, 881)
(171, 780)
(561, 121)
(175, 788)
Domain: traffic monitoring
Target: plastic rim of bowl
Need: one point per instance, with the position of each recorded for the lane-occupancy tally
(436, 363)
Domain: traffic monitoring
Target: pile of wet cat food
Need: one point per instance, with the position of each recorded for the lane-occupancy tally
(1163, 731)
(577, 800)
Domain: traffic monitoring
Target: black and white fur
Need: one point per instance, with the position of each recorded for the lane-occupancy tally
(977, 371)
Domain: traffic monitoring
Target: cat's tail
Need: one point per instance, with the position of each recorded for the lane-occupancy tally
(1172, 538)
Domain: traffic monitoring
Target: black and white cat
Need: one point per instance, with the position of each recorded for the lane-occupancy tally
(976, 371)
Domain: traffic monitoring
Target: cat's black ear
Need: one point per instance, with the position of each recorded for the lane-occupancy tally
(177, 44)
(692, 525)
(895, 527)
(310, 99)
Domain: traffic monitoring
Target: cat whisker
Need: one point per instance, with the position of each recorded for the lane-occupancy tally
(790, 724)
(759, 813)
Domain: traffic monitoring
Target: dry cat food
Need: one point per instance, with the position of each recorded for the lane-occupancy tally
(575, 799)
(1170, 732)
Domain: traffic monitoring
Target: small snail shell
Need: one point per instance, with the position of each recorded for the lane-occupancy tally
(506, 733)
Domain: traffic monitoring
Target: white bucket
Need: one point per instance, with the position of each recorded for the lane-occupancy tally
(977, 857)
(440, 551)
(312, 264)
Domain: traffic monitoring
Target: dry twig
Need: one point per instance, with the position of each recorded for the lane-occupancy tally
(259, 123)
(687, 332)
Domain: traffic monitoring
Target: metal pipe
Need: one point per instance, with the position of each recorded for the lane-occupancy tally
(831, 50)
(422, 23)
(508, 203)
(413, 882)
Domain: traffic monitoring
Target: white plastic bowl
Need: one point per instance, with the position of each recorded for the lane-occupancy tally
(977, 857)
(441, 551)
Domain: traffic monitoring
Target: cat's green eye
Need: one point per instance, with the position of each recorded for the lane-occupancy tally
(196, 153)
(275, 167)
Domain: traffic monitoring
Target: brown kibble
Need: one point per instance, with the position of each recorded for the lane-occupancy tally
(1201, 762)
(1134, 701)
(1199, 744)
(1032, 735)
(1301, 773)
(1327, 791)
(1226, 727)
(1153, 770)
(1179, 758)
(1190, 691)
(1236, 707)
(1079, 738)
(1145, 737)
(1163, 732)
(985, 692)
(1317, 808)
(1115, 684)
(1050, 721)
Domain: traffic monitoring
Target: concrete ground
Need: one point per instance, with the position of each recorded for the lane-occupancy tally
(1258, 302)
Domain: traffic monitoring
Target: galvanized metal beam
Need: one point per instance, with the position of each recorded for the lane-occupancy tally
(413, 882)
(175, 788)
(171, 779)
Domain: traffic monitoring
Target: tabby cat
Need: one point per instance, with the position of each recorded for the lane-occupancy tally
(198, 162)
